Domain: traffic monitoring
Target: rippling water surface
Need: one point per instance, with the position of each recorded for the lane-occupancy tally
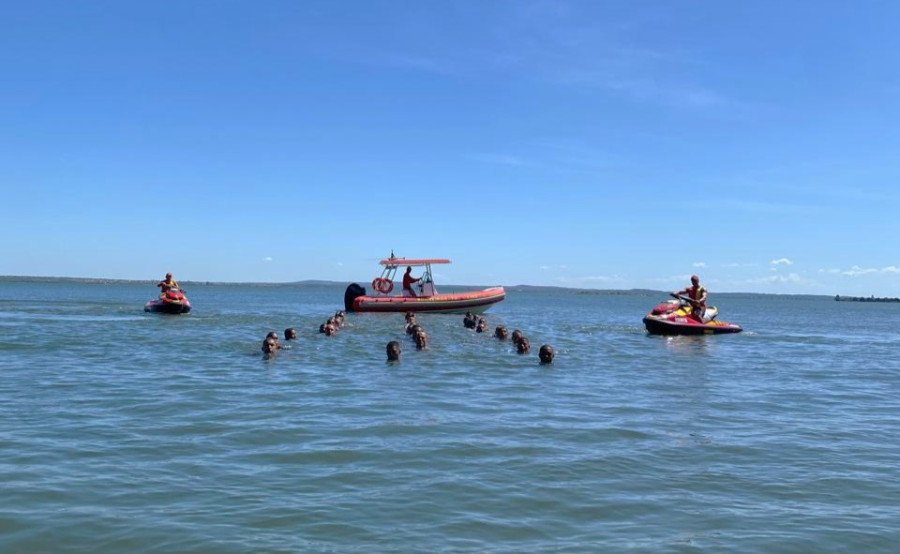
(133, 432)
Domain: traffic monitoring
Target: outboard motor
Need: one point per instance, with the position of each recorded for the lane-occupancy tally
(353, 292)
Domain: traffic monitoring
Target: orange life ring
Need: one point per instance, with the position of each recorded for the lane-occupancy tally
(382, 285)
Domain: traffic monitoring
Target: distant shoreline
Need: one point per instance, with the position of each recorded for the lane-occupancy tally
(882, 299)
(319, 282)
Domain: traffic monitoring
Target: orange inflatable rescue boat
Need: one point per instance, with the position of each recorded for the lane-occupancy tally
(421, 294)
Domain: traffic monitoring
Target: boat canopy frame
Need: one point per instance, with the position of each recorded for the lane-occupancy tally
(391, 265)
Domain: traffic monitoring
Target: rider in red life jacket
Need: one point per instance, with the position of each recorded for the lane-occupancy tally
(168, 284)
(408, 280)
(697, 296)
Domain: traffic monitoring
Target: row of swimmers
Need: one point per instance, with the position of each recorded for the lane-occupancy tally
(420, 337)
(271, 344)
(415, 331)
(333, 324)
(521, 342)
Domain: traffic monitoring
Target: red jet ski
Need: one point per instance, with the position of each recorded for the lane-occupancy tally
(674, 317)
(172, 301)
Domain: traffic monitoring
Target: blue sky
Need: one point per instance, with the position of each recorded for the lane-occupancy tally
(585, 144)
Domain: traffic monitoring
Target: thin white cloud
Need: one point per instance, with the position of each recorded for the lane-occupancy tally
(780, 279)
(844, 193)
(757, 207)
(422, 63)
(267, 259)
(735, 264)
(669, 94)
(553, 42)
(503, 159)
(699, 264)
(671, 279)
(856, 271)
(781, 261)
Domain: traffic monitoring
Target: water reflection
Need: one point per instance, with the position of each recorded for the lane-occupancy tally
(688, 345)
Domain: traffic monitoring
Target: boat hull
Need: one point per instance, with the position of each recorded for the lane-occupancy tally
(657, 325)
(163, 307)
(474, 301)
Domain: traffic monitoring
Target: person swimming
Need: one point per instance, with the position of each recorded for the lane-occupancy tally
(393, 351)
(421, 339)
(270, 345)
(330, 329)
(411, 325)
(517, 336)
(339, 318)
(481, 325)
(290, 334)
(470, 321)
(546, 354)
(501, 333)
(523, 346)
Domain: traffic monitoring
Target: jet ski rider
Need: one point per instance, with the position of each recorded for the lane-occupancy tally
(168, 284)
(697, 296)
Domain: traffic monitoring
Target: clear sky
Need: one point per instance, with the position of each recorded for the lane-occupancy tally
(586, 144)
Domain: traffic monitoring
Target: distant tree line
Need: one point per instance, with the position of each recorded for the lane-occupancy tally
(839, 298)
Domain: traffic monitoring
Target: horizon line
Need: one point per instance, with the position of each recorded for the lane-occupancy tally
(102, 280)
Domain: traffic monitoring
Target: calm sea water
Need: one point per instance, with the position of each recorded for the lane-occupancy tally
(132, 432)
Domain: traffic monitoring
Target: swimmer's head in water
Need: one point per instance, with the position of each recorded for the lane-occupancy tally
(546, 354)
(523, 346)
(270, 346)
(330, 330)
(500, 332)
(290, 333)
(421, 340)
(393, 351)
(516, 336)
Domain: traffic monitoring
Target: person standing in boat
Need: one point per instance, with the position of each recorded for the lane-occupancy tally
(697, 296)
(408, 281)
(167, 284)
